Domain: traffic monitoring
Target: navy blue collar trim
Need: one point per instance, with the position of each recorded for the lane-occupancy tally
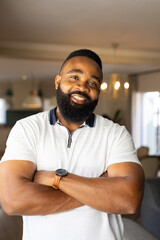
(53, 118)
(91, 120)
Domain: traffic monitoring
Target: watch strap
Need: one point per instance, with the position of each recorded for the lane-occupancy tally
(56, 182)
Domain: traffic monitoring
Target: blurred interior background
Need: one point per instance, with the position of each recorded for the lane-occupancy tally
(37, 35)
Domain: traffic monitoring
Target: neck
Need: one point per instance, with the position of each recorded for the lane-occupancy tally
(69, 125)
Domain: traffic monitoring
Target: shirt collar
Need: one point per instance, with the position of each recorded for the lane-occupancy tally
(53, 118)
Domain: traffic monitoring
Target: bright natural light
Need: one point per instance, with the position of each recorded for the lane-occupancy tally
(151, 121)
(2, 111)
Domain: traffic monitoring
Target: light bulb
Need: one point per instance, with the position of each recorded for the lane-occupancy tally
(104, 86)
(126, 85)
(117, 85)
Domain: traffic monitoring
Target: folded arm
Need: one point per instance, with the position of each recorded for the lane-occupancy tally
(118, 191)
(21, 196)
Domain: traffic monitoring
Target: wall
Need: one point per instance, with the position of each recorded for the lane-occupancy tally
(148, 82)
(4, 85)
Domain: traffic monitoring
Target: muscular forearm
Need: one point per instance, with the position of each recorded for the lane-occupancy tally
(120, 193)
(19, 195)
(112, 195)
(36, 199)
(114, 192)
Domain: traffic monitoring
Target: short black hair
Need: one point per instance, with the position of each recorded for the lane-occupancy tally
(86, 53)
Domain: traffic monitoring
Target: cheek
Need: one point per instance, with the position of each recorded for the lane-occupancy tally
(94, 94)
(65, 87)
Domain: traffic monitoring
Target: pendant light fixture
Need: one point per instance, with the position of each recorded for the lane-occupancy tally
(114, 76)
(115, 83)
(33, 100)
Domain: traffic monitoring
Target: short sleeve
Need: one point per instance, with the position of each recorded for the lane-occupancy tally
(20, 144)
(122, 147)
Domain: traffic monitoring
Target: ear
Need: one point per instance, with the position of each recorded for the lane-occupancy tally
(57, 80)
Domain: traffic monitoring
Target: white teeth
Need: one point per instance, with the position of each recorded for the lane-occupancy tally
(79, 98)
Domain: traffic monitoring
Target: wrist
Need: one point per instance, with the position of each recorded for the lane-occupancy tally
(44, 177)
(59, 174)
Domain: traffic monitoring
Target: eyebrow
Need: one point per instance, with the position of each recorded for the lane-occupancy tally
(96, 78)
(81, 72)
(75, 71)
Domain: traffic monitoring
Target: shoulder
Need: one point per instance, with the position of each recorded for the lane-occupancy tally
(113, 130)
(36, 119)
(31, 125)
(102, 122)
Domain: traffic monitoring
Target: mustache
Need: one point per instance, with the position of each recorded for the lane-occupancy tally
(82, 94)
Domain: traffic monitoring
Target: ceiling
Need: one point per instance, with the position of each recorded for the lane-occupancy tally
(36, 35)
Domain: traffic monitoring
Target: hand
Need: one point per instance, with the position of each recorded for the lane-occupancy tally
(44, 177)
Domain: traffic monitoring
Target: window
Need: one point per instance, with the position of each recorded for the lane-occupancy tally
(3, 108)
(148, 121)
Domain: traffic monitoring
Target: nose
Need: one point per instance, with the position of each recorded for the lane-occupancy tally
(83, 86)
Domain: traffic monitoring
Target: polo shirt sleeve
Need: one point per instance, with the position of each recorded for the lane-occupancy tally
(20, 144)
(122, 148)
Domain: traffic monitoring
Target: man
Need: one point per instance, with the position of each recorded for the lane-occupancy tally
(69, 172)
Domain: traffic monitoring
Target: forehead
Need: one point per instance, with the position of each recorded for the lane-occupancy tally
(83, 63)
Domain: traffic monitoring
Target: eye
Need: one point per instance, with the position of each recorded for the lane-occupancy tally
(94, 84)
(75, 77)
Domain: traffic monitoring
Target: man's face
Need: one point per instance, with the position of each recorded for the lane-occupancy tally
(78, 87)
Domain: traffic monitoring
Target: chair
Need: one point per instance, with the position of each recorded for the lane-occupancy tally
(142, 152)
(150, 208)
(150, 166)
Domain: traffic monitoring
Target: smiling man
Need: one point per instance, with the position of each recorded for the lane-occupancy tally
(78, 87)
(69, 172)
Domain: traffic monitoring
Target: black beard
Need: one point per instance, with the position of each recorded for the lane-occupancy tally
(71, 111)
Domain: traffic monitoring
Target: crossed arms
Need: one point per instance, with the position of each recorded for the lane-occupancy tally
(25, 191)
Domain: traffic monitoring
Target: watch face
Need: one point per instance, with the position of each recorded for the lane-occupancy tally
(61, 172)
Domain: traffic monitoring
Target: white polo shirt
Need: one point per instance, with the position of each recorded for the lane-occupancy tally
(88, 152)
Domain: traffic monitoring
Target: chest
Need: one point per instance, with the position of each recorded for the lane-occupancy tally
(82, 153)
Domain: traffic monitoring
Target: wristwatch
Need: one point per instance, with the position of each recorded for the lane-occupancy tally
(60, 173)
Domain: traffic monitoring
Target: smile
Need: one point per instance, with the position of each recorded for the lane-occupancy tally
(78, 98)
